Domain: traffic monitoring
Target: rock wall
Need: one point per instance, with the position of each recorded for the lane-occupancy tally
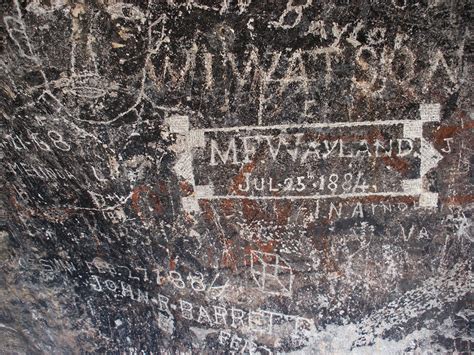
(236, 176)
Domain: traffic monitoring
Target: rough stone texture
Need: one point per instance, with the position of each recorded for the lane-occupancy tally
(245, 176)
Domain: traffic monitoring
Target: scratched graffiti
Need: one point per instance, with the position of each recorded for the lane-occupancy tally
(236, 176)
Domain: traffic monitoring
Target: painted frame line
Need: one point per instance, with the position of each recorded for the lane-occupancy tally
(313, 125)
(307, 197)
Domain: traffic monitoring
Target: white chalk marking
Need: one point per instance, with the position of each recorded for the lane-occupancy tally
(428, 200)
(413, 129)
(430, 112)
(196, 139)
(413, 186)
(306, 197)
(203, 190)
(314, 125)
(184, 166)
(178, 124)
(430, 157)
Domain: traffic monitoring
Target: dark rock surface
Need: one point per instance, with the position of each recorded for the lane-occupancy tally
(240, 176)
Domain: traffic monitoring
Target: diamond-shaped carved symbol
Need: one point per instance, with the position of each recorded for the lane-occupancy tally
(272, 273)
